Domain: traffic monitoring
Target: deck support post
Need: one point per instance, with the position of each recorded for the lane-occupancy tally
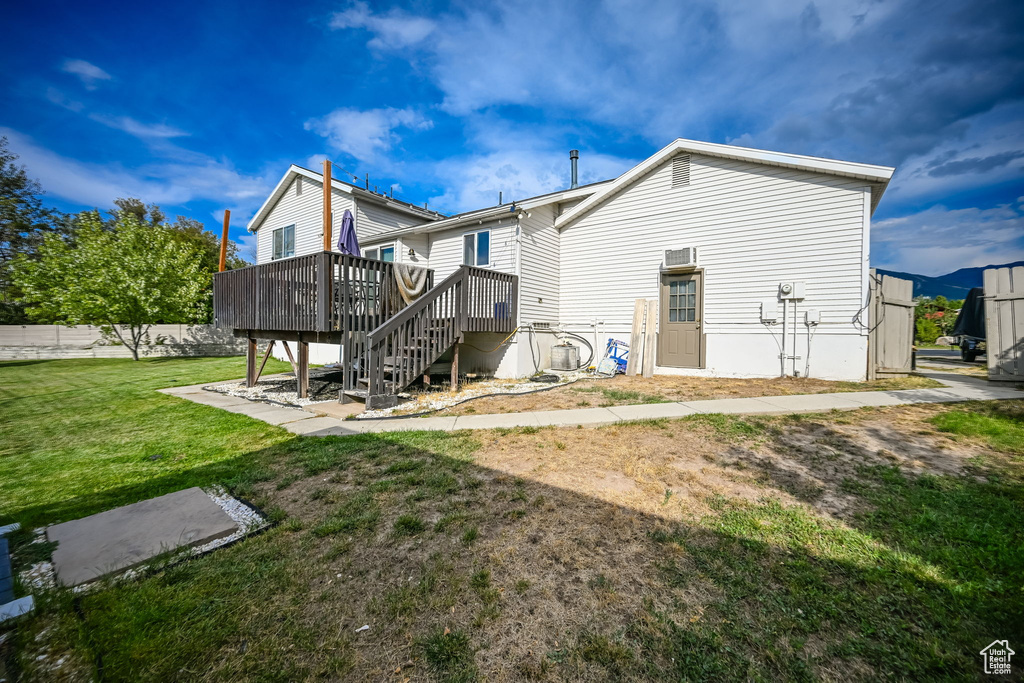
(266, 357)
(250, 363)
(455, 367)
(302, 379)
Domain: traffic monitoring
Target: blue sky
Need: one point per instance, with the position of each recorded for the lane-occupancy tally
(201, 106)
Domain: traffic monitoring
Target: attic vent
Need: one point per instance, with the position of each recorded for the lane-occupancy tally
(681, 170)
(298, 186)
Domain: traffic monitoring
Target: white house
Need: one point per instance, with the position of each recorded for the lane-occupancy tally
(712, 231)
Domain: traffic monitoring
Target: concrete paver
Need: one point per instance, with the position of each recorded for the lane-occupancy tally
(733, 406)
(590, 417)
(309, 425)
(111, 541)
(651, 411)
(277, 415)
(497, 421)
(816, 402)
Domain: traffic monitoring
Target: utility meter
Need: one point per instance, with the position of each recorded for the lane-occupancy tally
(791, 290)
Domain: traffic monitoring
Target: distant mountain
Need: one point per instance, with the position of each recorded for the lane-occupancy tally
(953, 285)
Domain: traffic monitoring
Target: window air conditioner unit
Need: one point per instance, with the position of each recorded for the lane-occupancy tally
(678, 258)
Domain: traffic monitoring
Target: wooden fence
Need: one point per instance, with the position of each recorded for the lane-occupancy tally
(891, 340)
(1004, 323)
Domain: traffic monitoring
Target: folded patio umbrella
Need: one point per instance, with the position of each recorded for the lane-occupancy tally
(348, 243)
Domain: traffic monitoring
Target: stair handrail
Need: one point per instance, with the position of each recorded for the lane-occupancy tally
(428, 297)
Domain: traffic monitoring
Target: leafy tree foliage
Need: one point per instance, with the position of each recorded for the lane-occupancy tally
(934, 318)
(23, 224)
(123, 276)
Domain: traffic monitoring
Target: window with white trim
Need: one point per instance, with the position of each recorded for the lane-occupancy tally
(384, 252)
(476, 248)
(284, 242)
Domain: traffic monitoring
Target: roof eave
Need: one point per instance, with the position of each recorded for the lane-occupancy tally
(868, 172)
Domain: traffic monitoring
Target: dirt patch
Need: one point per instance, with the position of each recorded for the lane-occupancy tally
(623, 390)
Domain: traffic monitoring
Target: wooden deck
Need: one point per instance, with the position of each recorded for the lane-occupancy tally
(354, 302)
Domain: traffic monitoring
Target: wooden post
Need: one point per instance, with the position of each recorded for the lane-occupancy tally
(327, 205)
(250, 363)
(291, 358)
(303, 378)
(651, 315)
(455, 367)
(224, 242)
(266, 357)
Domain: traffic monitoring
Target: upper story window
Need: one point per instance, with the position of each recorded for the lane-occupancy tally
(284, 242)
(476, 248)
(384, 252)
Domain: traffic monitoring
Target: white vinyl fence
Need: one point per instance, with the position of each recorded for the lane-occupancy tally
(1004, 323)
(40, 342)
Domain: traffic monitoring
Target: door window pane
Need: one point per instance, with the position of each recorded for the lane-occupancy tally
(469, 250)
(682, 301)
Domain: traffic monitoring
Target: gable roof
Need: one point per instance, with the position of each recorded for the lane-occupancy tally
(877, 176)
(347, 188)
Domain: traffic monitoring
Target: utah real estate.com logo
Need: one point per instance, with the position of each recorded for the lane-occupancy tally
(997, 657)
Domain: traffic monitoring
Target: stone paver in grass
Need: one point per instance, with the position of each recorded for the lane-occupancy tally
(125, 537)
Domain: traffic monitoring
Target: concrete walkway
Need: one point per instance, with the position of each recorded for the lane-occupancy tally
(957, 388)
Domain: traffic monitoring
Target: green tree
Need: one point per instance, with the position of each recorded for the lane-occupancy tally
(23, 224)
(123, 276)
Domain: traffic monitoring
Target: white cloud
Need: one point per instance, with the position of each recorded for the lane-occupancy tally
(136, 128)
(89, 74)
(366, 133)
(166, 183)
(394, 30)
(474, 181)
(61, 100)
(941, 240)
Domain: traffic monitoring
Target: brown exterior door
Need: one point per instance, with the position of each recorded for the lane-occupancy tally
(679, 336)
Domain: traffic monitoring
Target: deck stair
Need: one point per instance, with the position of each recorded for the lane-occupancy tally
(404, 347)
(354, 302)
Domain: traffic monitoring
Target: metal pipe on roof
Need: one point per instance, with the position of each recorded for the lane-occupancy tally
(574, 155)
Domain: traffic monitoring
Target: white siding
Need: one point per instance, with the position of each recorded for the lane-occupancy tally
(753, 226)
(305, 211)
(373, 219)
(446, 247)
(419, 244)
(538, 280)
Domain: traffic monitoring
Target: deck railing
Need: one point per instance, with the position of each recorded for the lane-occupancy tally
(402, 348)
(323, 292)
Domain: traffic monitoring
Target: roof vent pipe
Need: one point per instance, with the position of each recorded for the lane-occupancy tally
(574, 155)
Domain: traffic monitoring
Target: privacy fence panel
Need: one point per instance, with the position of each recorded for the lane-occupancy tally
(891, 339)
(1004, 323)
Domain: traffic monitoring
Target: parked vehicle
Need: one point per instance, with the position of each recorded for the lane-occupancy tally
(969, 329)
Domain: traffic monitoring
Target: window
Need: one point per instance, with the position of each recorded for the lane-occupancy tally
(384, 253)
(284, 242)
(682, 301)
(476, 248)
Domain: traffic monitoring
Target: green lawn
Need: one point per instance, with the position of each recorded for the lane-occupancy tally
(80, 436)
(464, 572)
